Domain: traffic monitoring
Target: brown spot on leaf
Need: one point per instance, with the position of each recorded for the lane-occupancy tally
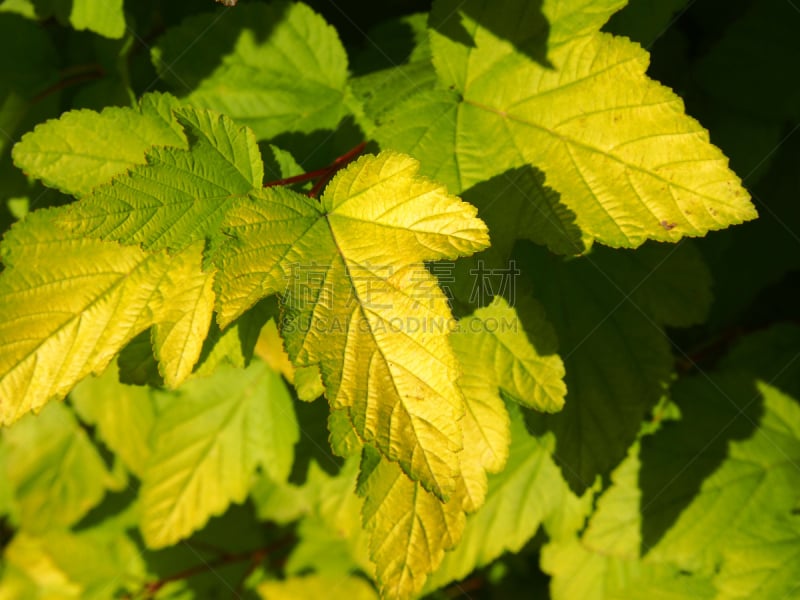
(667, 225)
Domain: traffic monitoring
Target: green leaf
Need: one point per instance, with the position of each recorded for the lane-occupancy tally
(106, 18)
(742, 493)
(207, 444)
(410, 528)
(762, 562)
(91, 565)
(645, 21)
(124, 415)
(279, 163)
(518, 205)
(332, 541)
(579, 573)
(280, 503)
(615, 527)
(495, 354)
(237, 343)
(358, 301)
(311, 587)
(55, 473)
(527, 493)
(180, 195)
(282, 68)
(382, 90)
(763, 35)
(610, 157)
(530, 30)
(83, 149)
(401, 71)
(605, 562)
(617, 358)
(493, 342)
(20, 7)
(71, 303)
(28, 65)
(308, 383)
(709, 501)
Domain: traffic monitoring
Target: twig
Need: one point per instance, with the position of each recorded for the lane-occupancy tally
(82, 73)
(464, 587)
(323, 175)
(254, 557)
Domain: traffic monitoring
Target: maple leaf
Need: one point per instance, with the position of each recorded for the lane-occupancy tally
(83, 149)
(290, 76)
(410, 528)
(207, 444)
(181, 194)
(71, 303)
(358, 301)
(616, 146)
(49, 460)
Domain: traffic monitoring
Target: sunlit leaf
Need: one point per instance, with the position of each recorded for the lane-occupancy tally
(207, 444)
(71, 303)
(50, 462)
(83, 149)
(282, 68)
(123, 414)
(358, 301)
(631, 166)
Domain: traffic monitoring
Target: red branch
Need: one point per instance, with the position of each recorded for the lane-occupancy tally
(81, 74)
(323, 175)
(464, 587)
(254, 557)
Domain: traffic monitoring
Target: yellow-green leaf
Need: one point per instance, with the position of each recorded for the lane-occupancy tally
(94, 564)
(495, 354)
(71, 303)
(180, 331)
(123, 414)
(181, 194)
(83, 149)
(410, 529)
(358, 301)
(615, 145)
(53, 470)
(313, 587)
(207, 444)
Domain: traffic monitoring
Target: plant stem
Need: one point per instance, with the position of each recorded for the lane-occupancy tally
(72, 76)
(254, 557)
(323, 175)
(463, 588)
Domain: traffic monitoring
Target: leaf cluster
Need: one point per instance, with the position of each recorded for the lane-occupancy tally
(304, 300)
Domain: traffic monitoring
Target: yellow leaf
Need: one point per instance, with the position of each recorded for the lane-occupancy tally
(75, 302)
(358, 301)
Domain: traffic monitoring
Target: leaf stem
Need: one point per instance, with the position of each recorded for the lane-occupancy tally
(254, 557)
(462, 589)
(323, 175)
(72, 76)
